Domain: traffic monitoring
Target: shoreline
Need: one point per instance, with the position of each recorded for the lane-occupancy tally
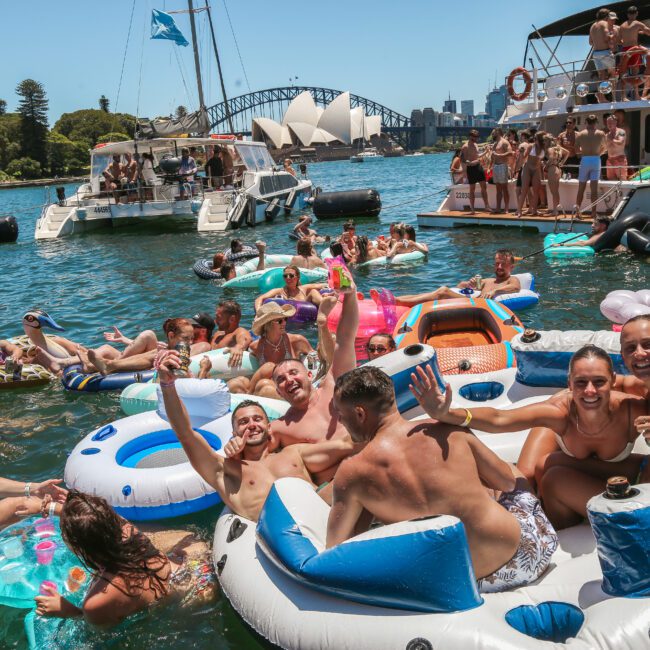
(41, 182)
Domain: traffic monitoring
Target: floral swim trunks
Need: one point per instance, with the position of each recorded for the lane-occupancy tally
(536, 547)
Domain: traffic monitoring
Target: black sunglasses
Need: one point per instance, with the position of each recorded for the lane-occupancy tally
(377, 348)
(288, 275)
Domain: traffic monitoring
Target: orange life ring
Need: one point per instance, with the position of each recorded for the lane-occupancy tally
(525, 75)
(624, 66)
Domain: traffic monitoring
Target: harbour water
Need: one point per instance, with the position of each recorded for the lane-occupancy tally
(136, 277)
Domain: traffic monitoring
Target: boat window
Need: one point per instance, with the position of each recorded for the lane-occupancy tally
(256, 158)
(647, 133)
(277, 183)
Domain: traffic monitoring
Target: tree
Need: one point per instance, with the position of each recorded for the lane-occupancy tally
(90, 124)
(24, 168)
(180, 112)
(113, 136)
(3, 107)
(10, 138)
(33, 120)
(104, 104)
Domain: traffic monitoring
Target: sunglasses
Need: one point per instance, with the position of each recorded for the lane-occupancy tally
(280, 320)
(377, 348)
(288, 275)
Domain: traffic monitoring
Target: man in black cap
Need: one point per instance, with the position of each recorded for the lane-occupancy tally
(203, 325)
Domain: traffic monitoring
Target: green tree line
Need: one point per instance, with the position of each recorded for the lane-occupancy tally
(30, 149)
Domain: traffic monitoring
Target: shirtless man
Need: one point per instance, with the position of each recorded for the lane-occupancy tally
(501, 153)
(503, 282)
(303, 231)
(131, 172)
(230, 334)
(590, 144)
(598, 228)
(616, 158)
(311, 417)
(113, 175)
(408, 470)
(628, 37)
(602, 55)
(305, 257)
(567, 140)
(470, 157)
(245, 476)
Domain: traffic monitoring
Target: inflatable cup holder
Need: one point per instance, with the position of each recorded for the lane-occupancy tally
(413, 350)
(548, 621)
(481, 391)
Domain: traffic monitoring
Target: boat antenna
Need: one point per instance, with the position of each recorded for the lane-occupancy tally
(197, 64)
(216, 55)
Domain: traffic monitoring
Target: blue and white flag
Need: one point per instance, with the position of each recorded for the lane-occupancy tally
(164, 27)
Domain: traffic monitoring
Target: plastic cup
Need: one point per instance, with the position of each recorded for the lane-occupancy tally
(46, 586)
(44, 526)
(11, 548)
(76, 579)
(11, 573)
(45, 552)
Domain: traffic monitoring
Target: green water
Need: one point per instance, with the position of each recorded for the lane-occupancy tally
(135, 278)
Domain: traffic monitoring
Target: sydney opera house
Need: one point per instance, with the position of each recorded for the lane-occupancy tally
(306, 125)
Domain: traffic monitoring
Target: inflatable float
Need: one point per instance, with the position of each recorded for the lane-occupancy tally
(205, 269)
(566, 250)
(306, 312)
(410, 585)
(31, 375)
(471, 335)
(351, 203)
(523, 299)
(271, 278)
(621, 305)
(138, 465)
(404, 258)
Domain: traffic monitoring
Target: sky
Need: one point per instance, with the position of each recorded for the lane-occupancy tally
(405, 55)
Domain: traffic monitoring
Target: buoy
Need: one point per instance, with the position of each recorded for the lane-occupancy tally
(8, 230)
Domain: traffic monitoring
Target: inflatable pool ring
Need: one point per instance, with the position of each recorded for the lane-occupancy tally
(375, 591)
(32, 375)
(619, 306)
(138, 465)
(74, 379)
(306, 312)
(568, 250)
(403, 258)
(470, 335)
(220, 368)
(543, 359)
(523, 299)
(204, 269)
(270, 262)
(273, 278)
(372, 320)
(140, 398)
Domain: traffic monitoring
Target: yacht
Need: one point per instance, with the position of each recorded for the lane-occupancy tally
(367, 155)
(255, 192)
(554, 90)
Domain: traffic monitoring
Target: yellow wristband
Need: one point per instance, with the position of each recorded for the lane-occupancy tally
(468, 418)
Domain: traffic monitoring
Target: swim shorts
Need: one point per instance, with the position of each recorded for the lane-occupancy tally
(536, 547)
(634, 60)
(500, 173)
(616, 168)
(604, 60)
(475, 174)
(589, 169)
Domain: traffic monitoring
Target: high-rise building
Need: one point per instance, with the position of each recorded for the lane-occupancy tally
(467, 107)
(496, 102)
(449, 106)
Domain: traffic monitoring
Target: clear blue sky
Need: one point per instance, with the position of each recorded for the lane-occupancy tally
(405, 55)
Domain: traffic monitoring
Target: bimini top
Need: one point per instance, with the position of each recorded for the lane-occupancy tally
(160, 144)
(580, 24)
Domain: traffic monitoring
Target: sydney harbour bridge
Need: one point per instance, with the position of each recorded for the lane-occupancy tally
(273, 102)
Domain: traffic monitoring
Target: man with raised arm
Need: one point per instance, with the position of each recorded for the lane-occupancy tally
(408, 470)
(244, 477)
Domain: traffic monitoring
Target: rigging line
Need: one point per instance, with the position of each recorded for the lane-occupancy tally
(126, 47)
(241, 61)
(144, 29)
(181, 68)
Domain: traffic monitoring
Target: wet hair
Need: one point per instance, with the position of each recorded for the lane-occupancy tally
(217, 261)
(368, 386)
(303, 247)
(506, 252)
(591, 119)
(591, 351)
(336, 248)
(349, 225)
(362, 244)
(410, 231)
(235, 244)
(231, 307)
(94, 532)
(294, 267)
(245, 404)
(388, 337)
(226, 269)
(602, 14)
(539, 138)
(175, 325)
(601, 218)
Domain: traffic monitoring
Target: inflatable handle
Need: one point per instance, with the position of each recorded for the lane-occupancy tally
(104, 433)
(388, 302)
(467, 291)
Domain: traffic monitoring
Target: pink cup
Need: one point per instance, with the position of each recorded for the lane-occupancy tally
(44, 526)
(46, 586)
(45, 552)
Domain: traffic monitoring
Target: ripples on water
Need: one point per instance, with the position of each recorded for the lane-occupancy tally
(134, 277)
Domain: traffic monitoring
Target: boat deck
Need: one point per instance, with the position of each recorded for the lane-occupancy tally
(543, 222)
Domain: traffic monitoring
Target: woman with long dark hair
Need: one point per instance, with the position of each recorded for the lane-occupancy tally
(129, 572)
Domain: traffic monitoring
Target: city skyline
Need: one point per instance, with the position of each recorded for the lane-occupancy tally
(158, 76)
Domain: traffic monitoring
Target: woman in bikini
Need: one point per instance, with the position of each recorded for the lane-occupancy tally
(292, 289)
(556, 157)
(456, 169)
(367, 250)
(593, 426)
(531, 175)
(129, 572)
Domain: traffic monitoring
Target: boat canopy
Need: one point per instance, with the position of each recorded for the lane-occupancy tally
(163, 144)
(579, 24)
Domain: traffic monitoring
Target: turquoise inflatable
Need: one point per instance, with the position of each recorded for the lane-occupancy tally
(568, 250)
(404, 258)
(273, 278)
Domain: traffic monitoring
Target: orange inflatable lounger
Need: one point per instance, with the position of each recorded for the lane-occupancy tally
(470, 335)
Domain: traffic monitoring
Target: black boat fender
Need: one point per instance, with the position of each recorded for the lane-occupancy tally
(612, 236)
(353, 203)
(8, 229)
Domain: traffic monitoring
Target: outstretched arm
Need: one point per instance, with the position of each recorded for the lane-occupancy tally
(318, 456)
(345, 357)
(326, 345)
(208, 464)
(261, 260)
(11, 350)
(269, 294)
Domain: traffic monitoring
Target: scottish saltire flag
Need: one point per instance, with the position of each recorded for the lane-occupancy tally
(164, 27)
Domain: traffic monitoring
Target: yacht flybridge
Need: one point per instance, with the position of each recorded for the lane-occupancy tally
(554, 90)
(252, 191)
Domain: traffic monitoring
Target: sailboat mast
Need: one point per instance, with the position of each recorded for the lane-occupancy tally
(216, 55)
(197, 65)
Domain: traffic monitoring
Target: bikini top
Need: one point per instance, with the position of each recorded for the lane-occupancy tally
(286, 347)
